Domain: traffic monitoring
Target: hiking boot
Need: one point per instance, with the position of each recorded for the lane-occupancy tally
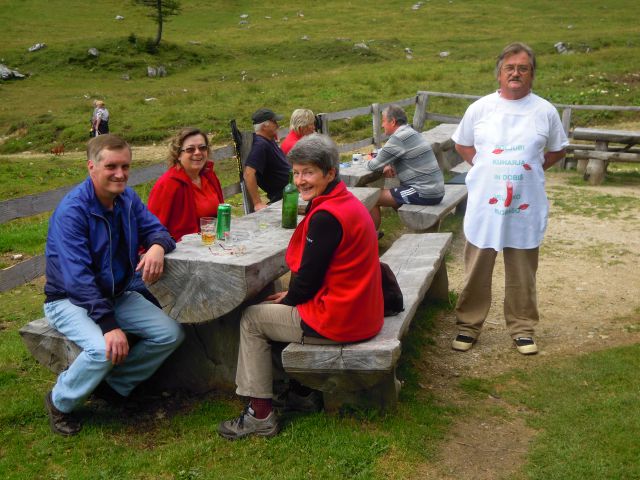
(462, 343)
(526, 345)
(290, 401)
(66, 424)
(246, 424)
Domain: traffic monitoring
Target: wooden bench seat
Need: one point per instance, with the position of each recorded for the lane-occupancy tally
(427, 218)
(363, 374)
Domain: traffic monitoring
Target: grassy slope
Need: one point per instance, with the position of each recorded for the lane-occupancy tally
(325, 73)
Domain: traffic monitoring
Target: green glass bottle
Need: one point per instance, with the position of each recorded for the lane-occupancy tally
(290, 204)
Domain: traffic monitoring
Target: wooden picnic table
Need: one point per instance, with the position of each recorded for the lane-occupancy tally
(357, 174)
(593, 163)
(201, 283)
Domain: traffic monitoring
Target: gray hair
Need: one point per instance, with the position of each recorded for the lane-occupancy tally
(258, 126)
(300, 118)
(512, 49)
(395, 112)
(318, 150)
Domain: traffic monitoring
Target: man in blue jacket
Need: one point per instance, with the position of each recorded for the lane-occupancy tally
(95, 291)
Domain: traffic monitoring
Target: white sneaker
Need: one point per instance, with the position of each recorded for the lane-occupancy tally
(526, 345)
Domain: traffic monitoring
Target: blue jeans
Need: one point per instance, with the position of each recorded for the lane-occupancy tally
(159, 337)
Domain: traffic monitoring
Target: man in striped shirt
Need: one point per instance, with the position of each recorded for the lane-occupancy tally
(407, 155)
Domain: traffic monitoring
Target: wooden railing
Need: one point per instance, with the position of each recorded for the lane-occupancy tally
(34, 204)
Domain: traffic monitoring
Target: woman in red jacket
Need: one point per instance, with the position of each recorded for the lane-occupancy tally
(335, 293)
(189, 189)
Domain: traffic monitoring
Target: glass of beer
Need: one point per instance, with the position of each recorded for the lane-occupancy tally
(208, 230)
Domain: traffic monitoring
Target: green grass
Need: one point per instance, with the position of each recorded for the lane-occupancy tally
(587, 414)
(219, 69)
(593, 203)
(182, 442)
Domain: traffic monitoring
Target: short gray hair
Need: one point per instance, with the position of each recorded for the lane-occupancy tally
(512, 49)
(258, 126)
(396, 113)
(300, 118)
(318, 150)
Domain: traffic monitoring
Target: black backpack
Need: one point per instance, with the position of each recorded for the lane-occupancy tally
(393, 302)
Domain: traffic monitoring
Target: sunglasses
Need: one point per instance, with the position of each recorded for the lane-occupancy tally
(192, 149)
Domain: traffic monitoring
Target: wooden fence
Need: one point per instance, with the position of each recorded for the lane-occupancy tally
(34, 204)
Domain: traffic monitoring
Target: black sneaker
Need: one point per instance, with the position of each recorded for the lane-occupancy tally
(380, 235)
(462, 343)
(65, 424)
(246, 424)
(290, 401)
(526, 345)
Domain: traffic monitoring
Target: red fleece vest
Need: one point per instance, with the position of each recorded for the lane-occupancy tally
(348, 307)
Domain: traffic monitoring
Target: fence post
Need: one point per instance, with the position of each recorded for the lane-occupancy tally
(377, 127)
(566, 124)
(324, 123)
(422, 100)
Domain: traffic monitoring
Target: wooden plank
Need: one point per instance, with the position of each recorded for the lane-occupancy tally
(615, 136)
(610, 156)
(405, 102)
(437, 117)
(421, 218)
(419, 116)
(566, 126)
(344, 114)
(48, 346)
(223, 153)
(376, 124)
(415, 259)
(21, 273)
(358, 175)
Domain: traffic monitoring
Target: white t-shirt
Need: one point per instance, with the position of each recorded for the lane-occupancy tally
(507, 205)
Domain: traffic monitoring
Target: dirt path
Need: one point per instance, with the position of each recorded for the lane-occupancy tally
(587, 287)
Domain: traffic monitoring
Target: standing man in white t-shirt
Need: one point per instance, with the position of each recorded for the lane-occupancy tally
(510, 138)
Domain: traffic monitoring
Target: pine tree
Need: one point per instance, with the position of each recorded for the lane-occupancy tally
(162, 10)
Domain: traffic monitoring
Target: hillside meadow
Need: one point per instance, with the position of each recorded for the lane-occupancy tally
(288, 55)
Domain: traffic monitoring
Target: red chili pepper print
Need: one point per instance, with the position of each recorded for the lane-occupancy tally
(497, 151)
(509, 198)
(527, 166)
(524, 206)
(493, 200)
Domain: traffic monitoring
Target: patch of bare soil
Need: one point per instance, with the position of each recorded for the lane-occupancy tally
(587, 294)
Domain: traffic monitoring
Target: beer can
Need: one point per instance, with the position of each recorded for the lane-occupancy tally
(224, 220)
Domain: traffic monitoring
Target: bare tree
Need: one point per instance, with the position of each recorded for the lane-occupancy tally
(162, 10)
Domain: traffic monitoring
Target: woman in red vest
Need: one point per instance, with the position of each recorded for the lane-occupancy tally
(335, 292)
(189, 189)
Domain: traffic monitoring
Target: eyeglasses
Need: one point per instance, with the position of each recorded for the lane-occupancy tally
(192, 149)
(520, 68)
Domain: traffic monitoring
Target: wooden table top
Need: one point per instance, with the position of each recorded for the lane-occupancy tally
(205, 282)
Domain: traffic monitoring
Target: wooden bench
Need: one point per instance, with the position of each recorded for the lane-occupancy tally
(427, 218)
(364, 374)
(592, 163)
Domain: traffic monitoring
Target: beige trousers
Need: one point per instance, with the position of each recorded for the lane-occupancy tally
(520, 297)
(260, 325)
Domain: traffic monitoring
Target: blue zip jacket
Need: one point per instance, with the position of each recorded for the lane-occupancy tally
(78, 251)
